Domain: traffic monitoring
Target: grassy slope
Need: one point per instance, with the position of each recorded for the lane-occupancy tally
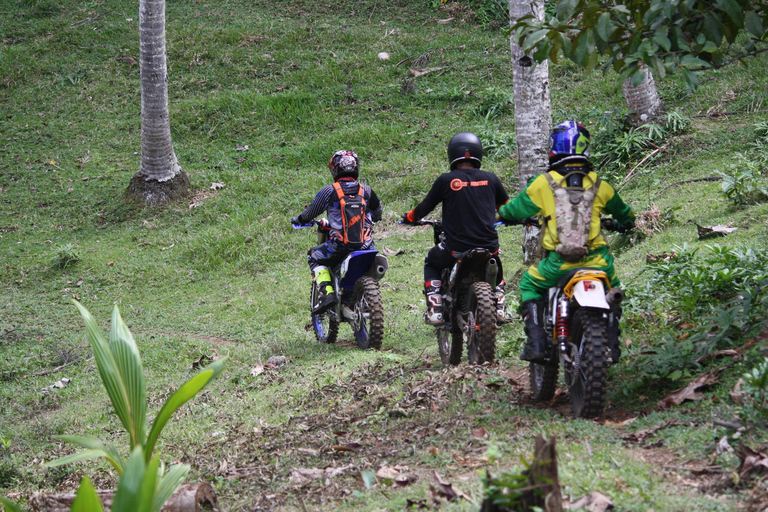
(229, 275)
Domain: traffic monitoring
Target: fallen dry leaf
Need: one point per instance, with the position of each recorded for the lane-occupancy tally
(420, 72)
(690, 392)
(736, 395)
(713, 231)
(351, 447)
(640, 435)
(594, 502)
(216, 186)
(445, 491)
(751, 460)
(387, 472)
(258, 369)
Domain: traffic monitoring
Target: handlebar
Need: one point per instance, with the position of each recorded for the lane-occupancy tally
(528, 221)
(321, 224)
(423, 222)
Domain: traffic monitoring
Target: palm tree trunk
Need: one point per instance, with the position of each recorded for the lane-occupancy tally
(643, 100)
(160, 179)
(533, 116)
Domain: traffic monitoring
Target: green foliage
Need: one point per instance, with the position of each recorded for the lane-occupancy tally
(489, 13)
(65, 255)
(617, 145)
(722, 294)
(505, 490)
(496, 142)
(666, 37)
(121, 372)
(744, 184)
(691, 285)
(495, 101)
(755, 408)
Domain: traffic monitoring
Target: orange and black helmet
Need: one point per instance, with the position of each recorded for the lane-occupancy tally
(344, 163)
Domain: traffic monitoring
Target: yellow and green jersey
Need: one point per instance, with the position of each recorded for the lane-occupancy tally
(538, 199)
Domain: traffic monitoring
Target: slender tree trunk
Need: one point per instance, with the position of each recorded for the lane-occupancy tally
(643, 100)
(160, 179)
(533, 117)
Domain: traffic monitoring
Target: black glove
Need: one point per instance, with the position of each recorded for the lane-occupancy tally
(404, 219)
(295, 221)
(614, 225)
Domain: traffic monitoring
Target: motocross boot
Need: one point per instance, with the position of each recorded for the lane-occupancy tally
(536, 337)
(434, 314)
(614, 334)
(326, 296)
(501, 304)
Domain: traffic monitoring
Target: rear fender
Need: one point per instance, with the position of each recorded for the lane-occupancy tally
(355, 266)
(588, 288)
(472, 266)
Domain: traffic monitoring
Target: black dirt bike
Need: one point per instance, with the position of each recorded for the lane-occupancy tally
(577, 314)
(356, 281)
(469, 304)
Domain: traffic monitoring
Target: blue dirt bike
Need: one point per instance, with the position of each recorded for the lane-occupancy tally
(356, 281)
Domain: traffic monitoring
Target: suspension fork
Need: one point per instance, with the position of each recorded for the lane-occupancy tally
(562, 327)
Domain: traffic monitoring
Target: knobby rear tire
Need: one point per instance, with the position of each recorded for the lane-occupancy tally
(325, 326)
(587, 387)
(370, 312)
(481, 343)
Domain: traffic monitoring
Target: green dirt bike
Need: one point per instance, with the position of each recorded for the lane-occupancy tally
(577, 314)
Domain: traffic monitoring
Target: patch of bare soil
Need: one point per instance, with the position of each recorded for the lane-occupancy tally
(400, 426)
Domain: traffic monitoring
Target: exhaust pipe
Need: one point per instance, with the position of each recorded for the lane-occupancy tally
(379, 267)
(614, 296)
(491, 270)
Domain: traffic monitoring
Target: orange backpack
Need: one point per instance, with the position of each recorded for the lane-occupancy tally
(352, 207)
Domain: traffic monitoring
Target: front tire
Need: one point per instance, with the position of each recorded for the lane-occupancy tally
(480, 333)
(368, 324)
(587, 378)
(325, 324)
(543, 380)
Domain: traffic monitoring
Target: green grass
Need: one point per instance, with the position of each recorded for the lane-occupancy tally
(229, 277)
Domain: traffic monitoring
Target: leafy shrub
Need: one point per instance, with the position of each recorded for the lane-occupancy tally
(673, 358)
(144, 485)
(65, 256)
(494, 102)
(617, 145)
(690, 285)
(755, 408)
(745, 185)
(497, 143)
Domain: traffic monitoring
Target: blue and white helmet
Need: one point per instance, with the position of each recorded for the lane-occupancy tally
(569, 143)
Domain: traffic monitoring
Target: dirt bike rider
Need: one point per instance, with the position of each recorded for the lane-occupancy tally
(568, 164)
(470, 200)
(345, 169)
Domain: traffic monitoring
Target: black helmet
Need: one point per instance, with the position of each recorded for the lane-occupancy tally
(569, 143)
(344, 163)
(465, 146)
